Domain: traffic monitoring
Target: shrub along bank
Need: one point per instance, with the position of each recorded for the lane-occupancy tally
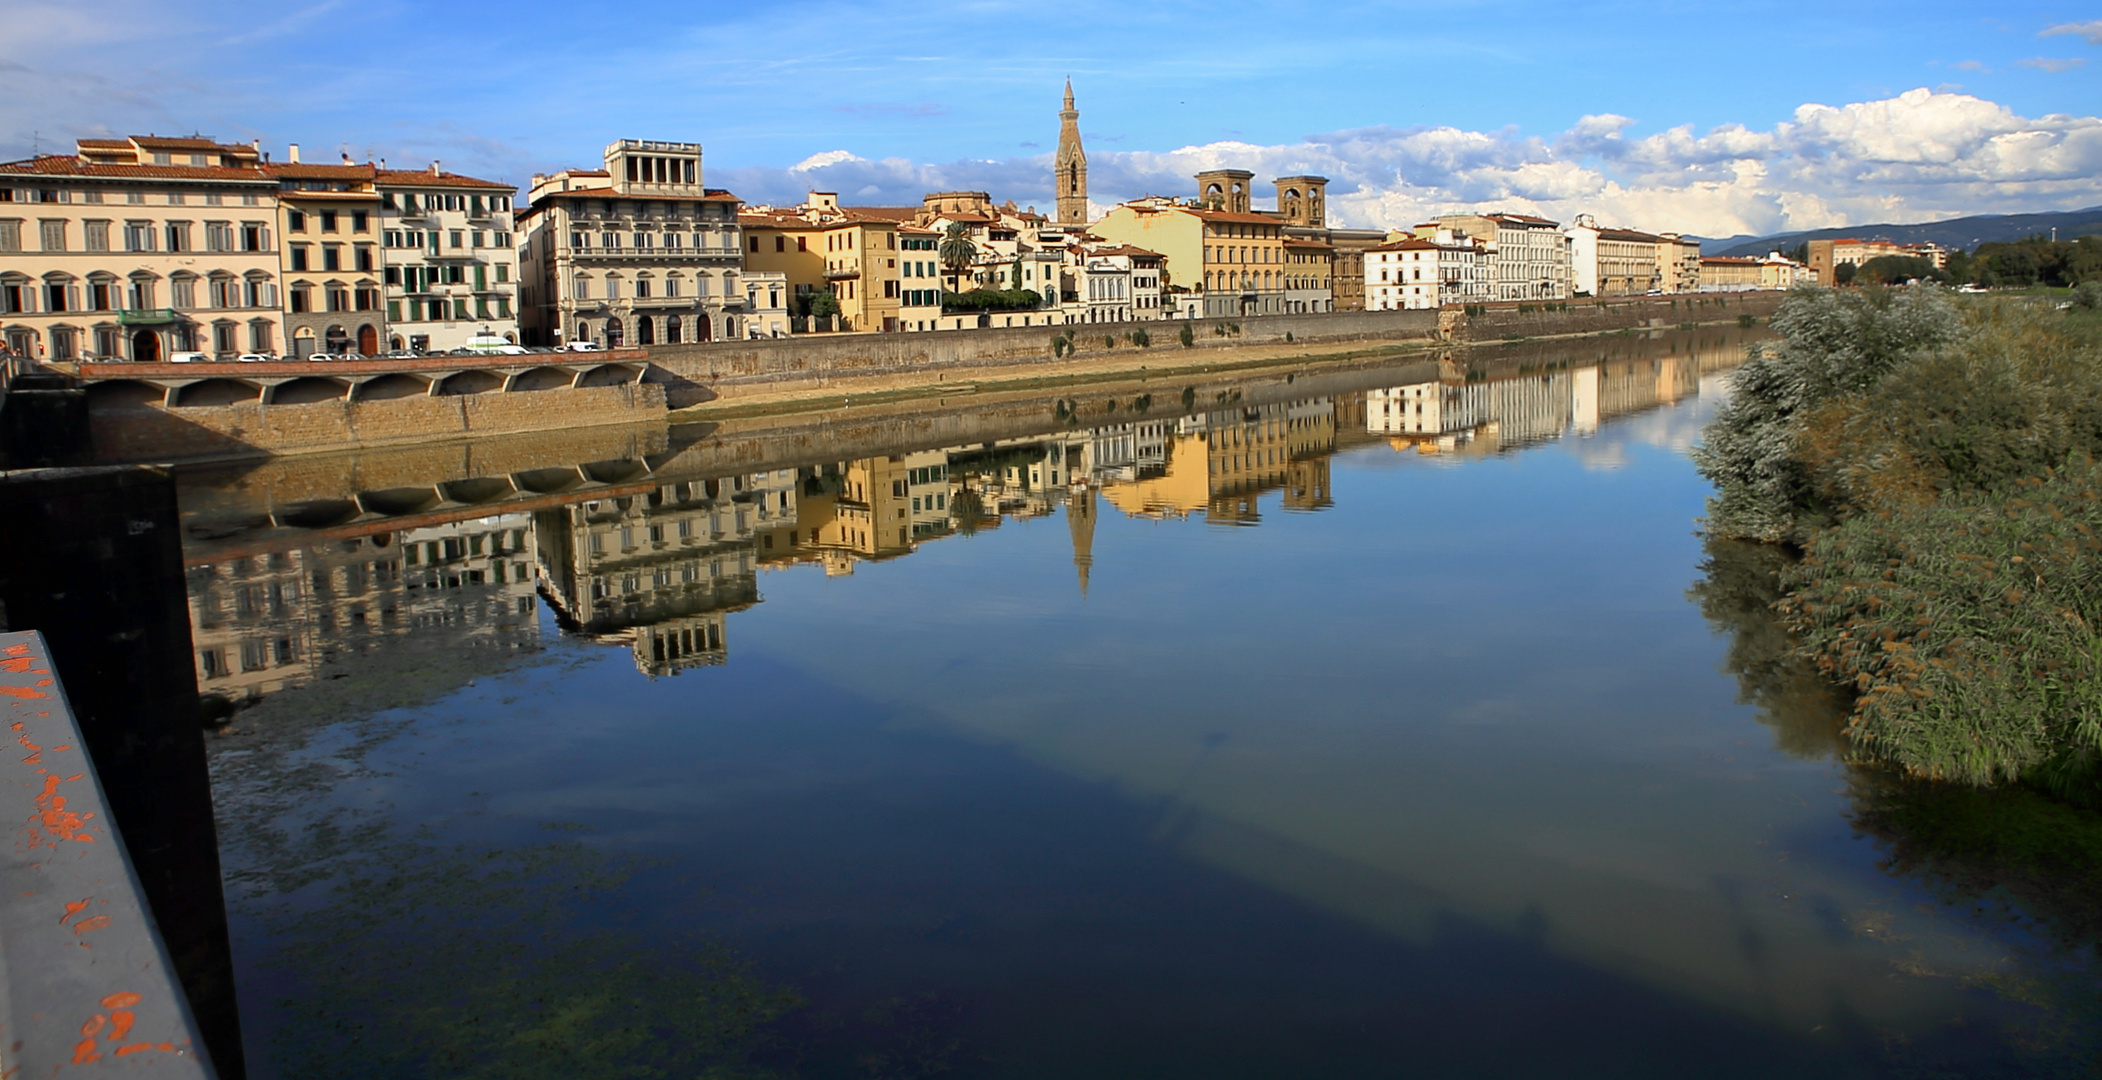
(1935, 464)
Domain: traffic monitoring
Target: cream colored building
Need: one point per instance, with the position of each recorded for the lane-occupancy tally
(1415, 272)
(137, 249)
(1729, 273)
(1678, 263)
(637, 253)
(1529, 257)
(450, 258)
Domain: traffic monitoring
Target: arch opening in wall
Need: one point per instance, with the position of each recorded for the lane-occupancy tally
(120, 394)
(396, 501)
(213, 392)
(613, 472)
(319, 514)
(308, 390)
(611, 375)
(335, 341)
(476, 490)
(542, 378)
(391, 388)
(547, 481)
(471, 382)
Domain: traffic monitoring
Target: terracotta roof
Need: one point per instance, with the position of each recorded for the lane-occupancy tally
(1413, 243)
(1315, 244)
(918, 229)
(713, 195)
(1728, 260)
(1629, 234)
(1526, 218)
(967, 218)
(889, 213)
(106, 144)
(294, 170)
(1126, 249)
(69, 165)
(1228, 216)
(426, 178)
(155, 142)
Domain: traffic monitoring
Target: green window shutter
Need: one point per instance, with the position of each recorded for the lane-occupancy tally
(481, 277)
(503, 307)
(481, 307)
(393, 311)
(459, 309)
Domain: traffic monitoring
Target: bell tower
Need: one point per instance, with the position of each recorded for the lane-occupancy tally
(1069, 172)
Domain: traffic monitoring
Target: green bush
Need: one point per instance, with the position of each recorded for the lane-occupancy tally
(1967, 628)
(1186, 336)
(1141, 338)
(1832, 343)
(2087, 296)
(992, 300)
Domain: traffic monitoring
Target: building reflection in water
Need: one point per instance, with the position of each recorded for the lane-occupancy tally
(659, 566)
(267, 622)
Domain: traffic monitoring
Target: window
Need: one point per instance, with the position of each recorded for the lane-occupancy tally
(52, 235)
(10, 236)
(223, 337)
(55, 297)
(458, 239)
(337, 296)
(97, 235)
(612, 288)
(367, 298)
(671, 286)
(260, 340)
(360, 221)
(780, 243)
(295, 221)
(14, 297)
(609, 240)
(503, 272)
(138, 236)
(332, 256)
(218, 236)
(102, 295)
(302, 299)
(179, 236)
(328, 221)
(801, 244)
(140, 294)
(299, 257)
(583, 288)
(364, 253)
(254, 237)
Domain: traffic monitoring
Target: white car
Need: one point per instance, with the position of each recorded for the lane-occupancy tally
(583, 346)
(320, 357)
(255, 358)
(189, 358)
(1972, 288)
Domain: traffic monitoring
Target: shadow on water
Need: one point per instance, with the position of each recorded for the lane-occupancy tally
(2014, 862)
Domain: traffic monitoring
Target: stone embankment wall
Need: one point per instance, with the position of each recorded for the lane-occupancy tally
(1509, 321)
(696, 373)
(148, 431)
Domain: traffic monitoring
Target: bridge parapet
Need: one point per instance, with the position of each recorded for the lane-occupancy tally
(85, 979)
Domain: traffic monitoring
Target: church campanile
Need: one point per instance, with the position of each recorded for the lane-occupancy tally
(1069, 174)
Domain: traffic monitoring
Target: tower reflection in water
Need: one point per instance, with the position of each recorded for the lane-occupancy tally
(659, 562)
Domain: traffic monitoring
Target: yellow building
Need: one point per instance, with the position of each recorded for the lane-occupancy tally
(329, 216)
(1234, 260)
(821, 245)
(1309, 275)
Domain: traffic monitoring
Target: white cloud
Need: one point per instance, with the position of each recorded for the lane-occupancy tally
(2092, 31)
(2052, 64)
(1918, 156)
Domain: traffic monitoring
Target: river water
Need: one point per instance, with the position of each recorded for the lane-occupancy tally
(1384, 719)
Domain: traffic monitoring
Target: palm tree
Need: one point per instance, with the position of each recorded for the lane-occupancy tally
(957, 251)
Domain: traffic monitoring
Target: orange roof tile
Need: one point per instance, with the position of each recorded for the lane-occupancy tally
(58, 165)
(426, 178)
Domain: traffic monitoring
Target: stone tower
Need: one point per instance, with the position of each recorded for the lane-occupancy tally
(1224, 189)
(1303, 200)
(1070, 171)
(1080, 519)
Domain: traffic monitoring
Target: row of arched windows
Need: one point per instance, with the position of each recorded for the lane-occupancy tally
(59, 292)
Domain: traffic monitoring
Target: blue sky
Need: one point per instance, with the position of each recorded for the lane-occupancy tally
(1414, 109)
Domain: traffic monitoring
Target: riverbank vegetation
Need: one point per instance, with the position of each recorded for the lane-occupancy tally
(1934, 463)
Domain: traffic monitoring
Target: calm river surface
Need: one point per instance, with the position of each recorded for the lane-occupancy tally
(1375, 723)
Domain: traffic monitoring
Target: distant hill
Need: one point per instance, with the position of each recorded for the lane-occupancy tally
(1963, 232)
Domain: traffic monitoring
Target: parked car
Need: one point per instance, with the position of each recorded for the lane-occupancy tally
(320, 357)
(583, 346)
(189, 358)
(255, 358)
(1973, 287)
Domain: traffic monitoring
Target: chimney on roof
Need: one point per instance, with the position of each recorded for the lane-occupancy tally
(292, 153)
(346, 157)
(434, 168)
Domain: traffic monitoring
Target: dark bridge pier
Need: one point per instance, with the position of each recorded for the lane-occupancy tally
(92, 559)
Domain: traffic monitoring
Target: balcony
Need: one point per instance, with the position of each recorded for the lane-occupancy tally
(158, 316)
(843, 273)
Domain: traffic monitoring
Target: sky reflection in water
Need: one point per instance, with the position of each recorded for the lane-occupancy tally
(1431, 771)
